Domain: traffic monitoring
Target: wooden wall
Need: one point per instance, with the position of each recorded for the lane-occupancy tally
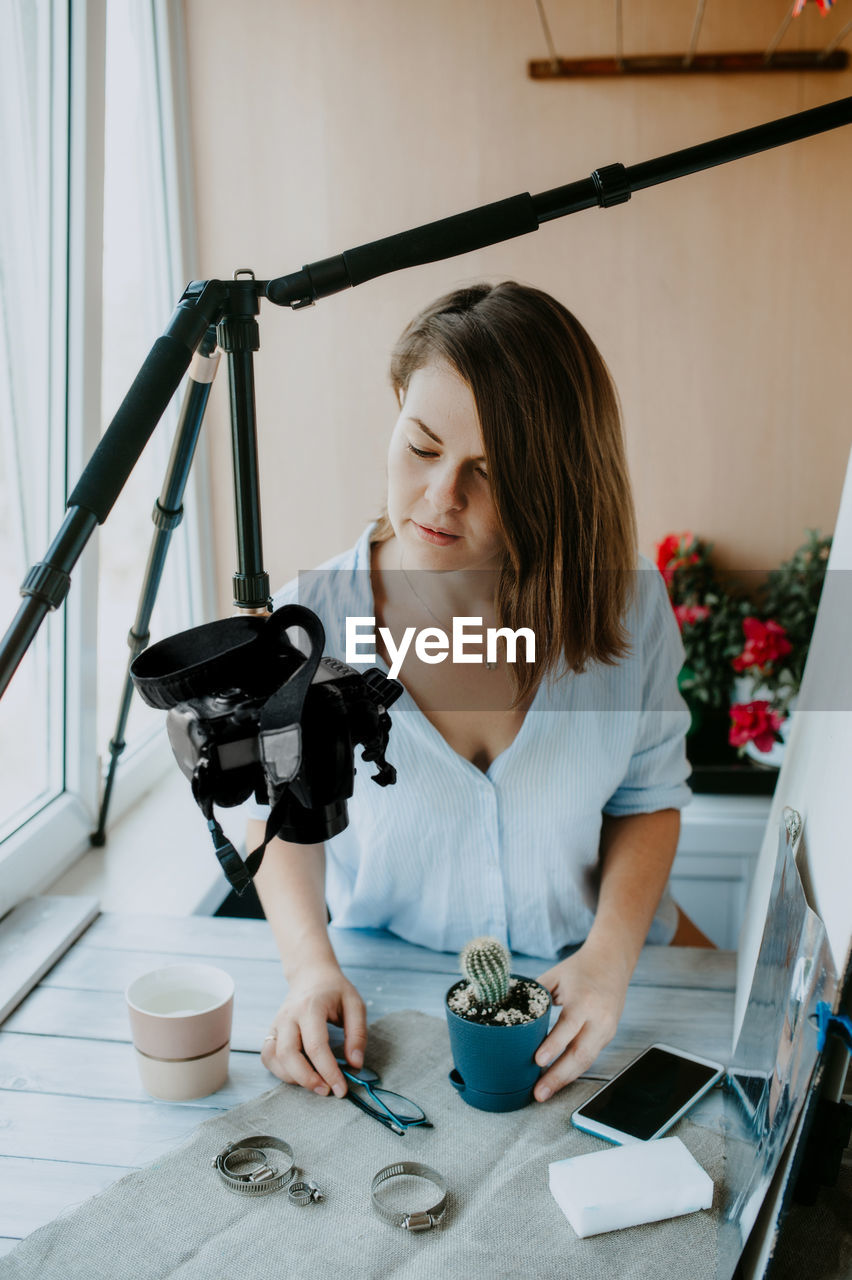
(720, 301)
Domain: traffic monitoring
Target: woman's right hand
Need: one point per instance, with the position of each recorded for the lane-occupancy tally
(297, 1049)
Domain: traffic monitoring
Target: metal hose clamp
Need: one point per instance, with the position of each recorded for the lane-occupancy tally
(263, 1177)
(422, 1220)
(302, 1191)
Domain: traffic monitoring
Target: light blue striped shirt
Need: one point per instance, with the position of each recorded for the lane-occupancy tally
(450, 852)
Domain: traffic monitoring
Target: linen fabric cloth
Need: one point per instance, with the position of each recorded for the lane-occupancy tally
(176, 1219)
(450, 852)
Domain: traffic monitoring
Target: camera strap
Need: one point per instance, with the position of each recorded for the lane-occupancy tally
(190, 664)
(280, 740)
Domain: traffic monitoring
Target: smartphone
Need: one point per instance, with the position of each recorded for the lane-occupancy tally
(648, 1096)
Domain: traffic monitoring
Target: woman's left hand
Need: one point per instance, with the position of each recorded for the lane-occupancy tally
(591, 988)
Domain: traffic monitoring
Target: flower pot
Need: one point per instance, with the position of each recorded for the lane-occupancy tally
(494, 1066)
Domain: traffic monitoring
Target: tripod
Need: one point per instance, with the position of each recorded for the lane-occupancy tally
(226, 311)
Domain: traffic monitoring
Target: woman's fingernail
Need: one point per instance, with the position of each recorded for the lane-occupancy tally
(543, 1093)
(544, 1060)
(357, 1058)
(339, 1090)
(322, 1090)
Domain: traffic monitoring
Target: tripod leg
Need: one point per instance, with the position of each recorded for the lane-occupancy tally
(167, 515)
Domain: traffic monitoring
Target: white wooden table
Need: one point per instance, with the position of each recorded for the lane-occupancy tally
(73, 1116)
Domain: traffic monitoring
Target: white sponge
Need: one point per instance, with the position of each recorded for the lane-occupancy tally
(624, 1186)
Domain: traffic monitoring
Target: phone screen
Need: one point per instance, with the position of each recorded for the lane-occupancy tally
(650, 1091)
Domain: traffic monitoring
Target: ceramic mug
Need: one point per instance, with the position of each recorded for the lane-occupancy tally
(180, 1020)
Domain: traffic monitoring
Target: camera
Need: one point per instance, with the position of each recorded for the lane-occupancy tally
(250, 712)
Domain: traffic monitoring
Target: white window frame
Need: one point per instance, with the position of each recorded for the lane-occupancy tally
(51, 839)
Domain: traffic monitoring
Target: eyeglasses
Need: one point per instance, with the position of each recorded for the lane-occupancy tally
(390, 1109)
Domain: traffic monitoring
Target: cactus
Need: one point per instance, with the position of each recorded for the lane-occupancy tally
(485, 964)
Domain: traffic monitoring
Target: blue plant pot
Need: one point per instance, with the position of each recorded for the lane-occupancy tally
(494, 1066)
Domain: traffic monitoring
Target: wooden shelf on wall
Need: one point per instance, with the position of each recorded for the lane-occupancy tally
(679, 64)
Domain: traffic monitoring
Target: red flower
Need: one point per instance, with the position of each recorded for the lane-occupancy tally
(754, 722)
(687, 614)
(672, 554)
(765, 643)
(824, 6)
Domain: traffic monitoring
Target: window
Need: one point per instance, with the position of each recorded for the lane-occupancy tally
(33, 265)
(93, 257)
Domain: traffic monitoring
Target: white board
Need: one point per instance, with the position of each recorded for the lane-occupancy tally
(816, 774)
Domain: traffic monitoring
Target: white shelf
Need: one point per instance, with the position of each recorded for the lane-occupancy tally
(719, 842)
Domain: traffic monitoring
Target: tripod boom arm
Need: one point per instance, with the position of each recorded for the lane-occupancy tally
(517, 215)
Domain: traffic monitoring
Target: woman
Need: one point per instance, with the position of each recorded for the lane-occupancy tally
(536, 800)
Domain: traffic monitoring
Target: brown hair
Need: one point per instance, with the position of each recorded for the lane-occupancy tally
(553, 441)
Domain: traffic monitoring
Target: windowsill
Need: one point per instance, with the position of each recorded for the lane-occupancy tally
(158, 858)
(725, 825)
